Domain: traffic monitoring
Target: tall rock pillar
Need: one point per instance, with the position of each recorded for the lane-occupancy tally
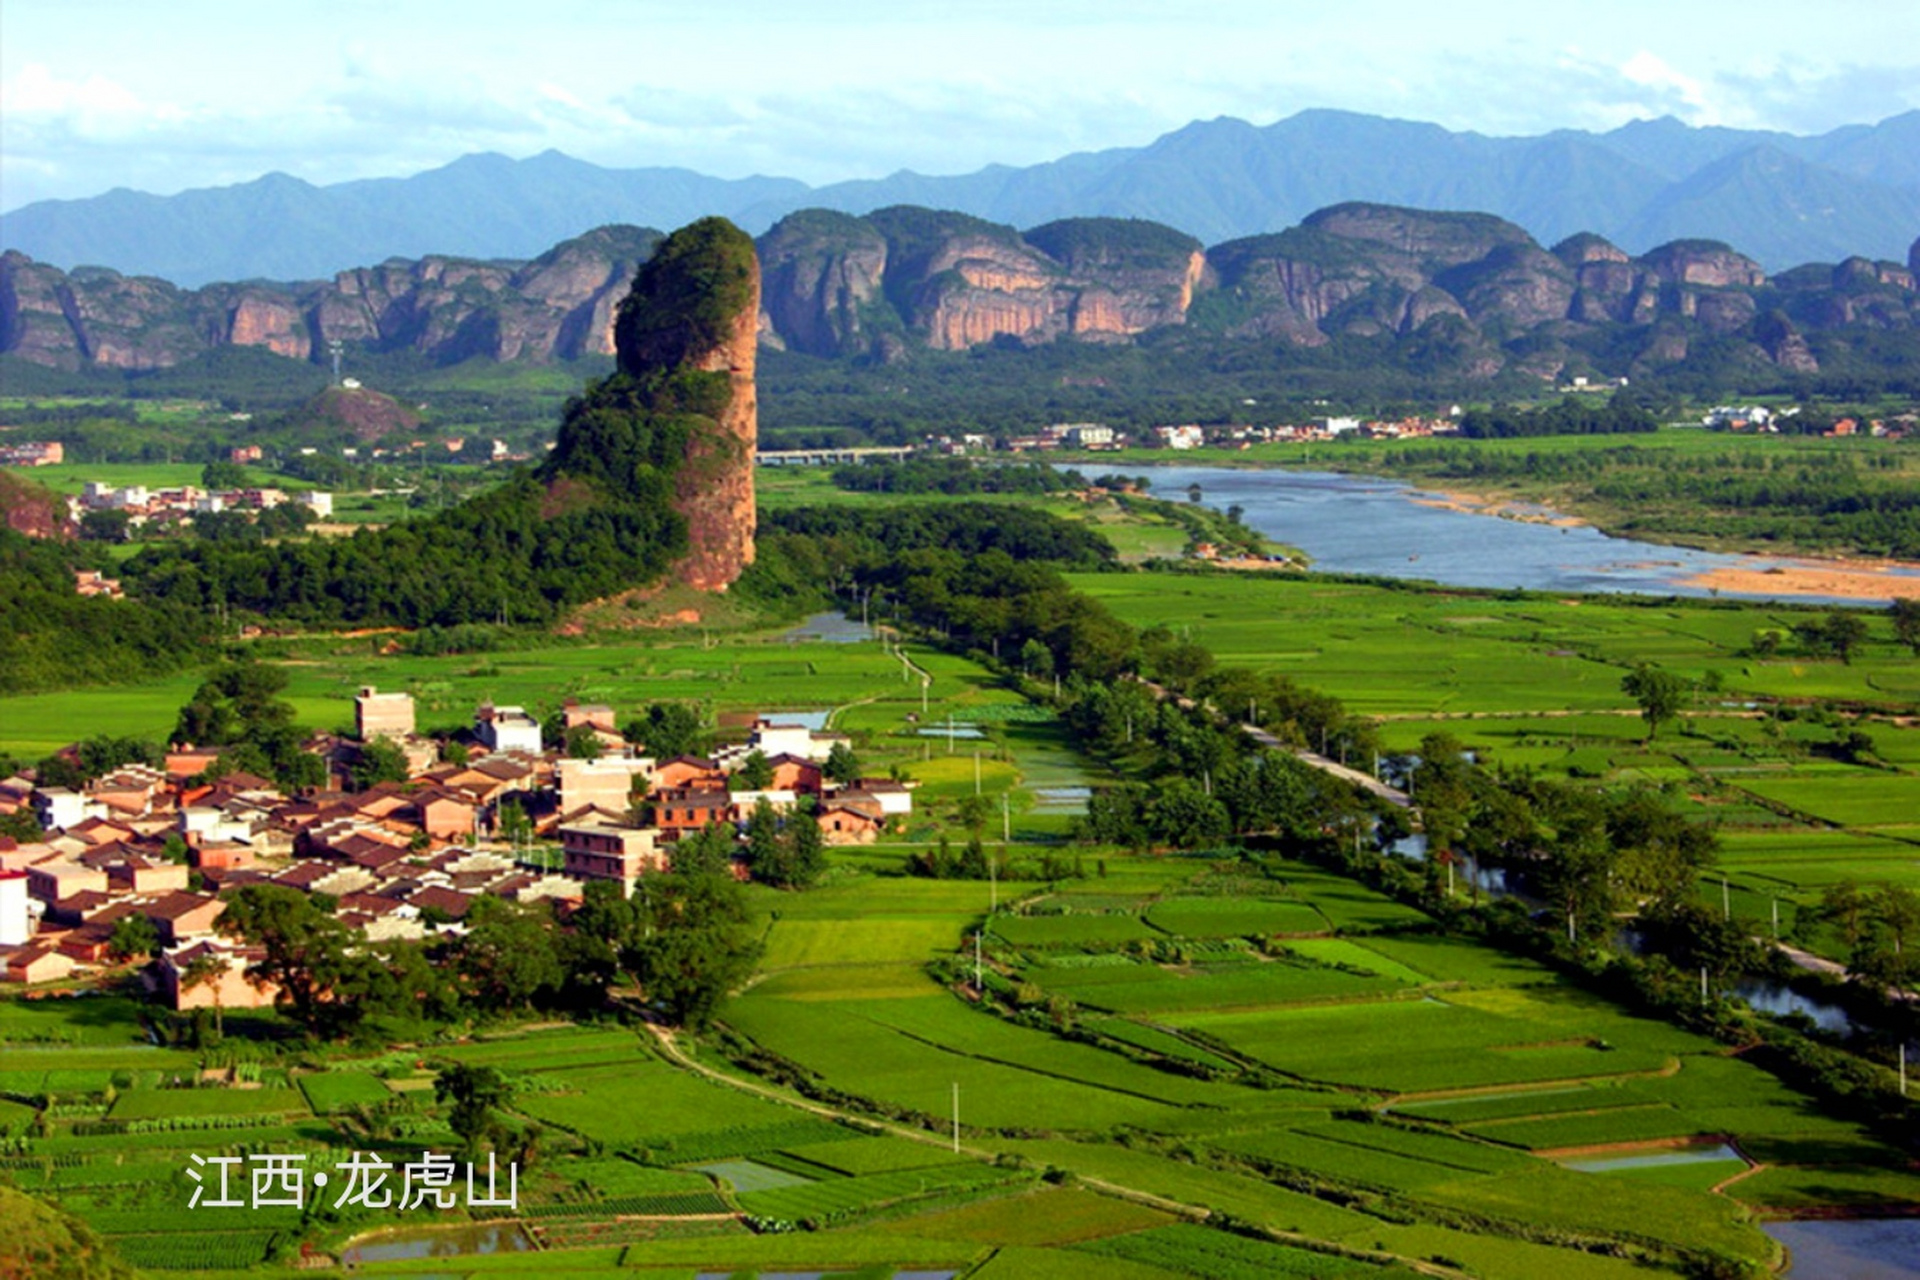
(690, 326)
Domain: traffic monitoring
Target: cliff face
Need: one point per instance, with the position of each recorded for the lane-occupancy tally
(840, 285)
(1475, 293)
(1369, 270)
(560, 305)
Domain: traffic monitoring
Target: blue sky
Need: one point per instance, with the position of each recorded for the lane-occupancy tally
(163, 95)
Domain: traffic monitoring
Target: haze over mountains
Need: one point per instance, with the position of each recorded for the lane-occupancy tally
(1782, 199)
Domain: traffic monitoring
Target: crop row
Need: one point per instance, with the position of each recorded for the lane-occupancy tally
(173, 1124)
(210, 1251)
(743, 1140)
(1219, 1255)
(834, 1198)
(664, 1204)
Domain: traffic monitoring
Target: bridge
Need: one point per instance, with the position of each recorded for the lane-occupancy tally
(821, 457)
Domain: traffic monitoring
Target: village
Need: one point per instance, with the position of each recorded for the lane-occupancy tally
(479, 817)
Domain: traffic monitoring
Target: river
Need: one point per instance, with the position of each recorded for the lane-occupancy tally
(1364, 525)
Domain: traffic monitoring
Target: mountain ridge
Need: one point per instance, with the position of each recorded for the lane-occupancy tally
(1474, 287)
(1854, 189)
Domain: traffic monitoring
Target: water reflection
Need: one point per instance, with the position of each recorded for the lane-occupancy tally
(445, 1242)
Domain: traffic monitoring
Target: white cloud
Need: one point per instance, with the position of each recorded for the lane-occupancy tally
(1650, 71)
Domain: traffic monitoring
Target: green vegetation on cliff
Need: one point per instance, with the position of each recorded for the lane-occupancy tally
(597, 518)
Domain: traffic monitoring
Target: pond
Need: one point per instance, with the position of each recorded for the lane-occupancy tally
(828, 628)
(1384, 528)
(439, 1242)
(1772, 998)
(1702, 1154)
(1857, 1249)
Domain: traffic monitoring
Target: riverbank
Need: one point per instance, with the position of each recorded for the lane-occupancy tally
(1841, 578)
(1502, 505)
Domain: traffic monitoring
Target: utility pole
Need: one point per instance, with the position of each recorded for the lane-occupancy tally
(977, 986)
(1006, 819)
(333, 349)
(1776, 919)
(976, 773)
(956, 1116)
(1726, 900)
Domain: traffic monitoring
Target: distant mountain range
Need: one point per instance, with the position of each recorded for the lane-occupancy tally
(1783, 199)
(1461, 295)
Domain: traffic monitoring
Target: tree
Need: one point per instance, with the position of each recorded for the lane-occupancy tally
(668, 729)
(104, 526)
(208, 970)
(306, 954)
(1036, 660)
(806, 848)
(693, 941)
(471, 1093)
(22, 826)
(766, 852)
(223, 475)
(755, 772)
(1906, 622)
(238, 707)
(1660, 694)
(583, 743)
(842, 765)
(133, 938)
(506, 960)
(377, 762)
(1187, 817)
(1845, 633)
(708, 851)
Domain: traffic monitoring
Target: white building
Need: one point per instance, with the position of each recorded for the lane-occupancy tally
(506, 729)
(16, 923)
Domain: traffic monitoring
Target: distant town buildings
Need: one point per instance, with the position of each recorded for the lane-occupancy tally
(177, 505)
(33, 453)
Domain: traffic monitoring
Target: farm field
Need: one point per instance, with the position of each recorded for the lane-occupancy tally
(1534, 683)
(1495, 1061)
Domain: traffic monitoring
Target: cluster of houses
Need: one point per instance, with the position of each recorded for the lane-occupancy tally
(1098, 438)
(396, 859)
(33, 453)
(1760, 419)
(144, 504)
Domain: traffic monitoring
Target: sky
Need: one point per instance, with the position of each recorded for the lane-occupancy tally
(166, 96)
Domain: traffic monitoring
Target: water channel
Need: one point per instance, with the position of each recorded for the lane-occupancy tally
(1385, 528)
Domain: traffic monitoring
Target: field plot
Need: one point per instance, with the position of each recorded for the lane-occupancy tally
(1855, 798)
(1234, 918)
(147, 1104)
(1200, 1251)
(1155, 989)
(1066, 1216)
(680, 1110)
(870, 1058)
(338, 1090)
(1444, 1044)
